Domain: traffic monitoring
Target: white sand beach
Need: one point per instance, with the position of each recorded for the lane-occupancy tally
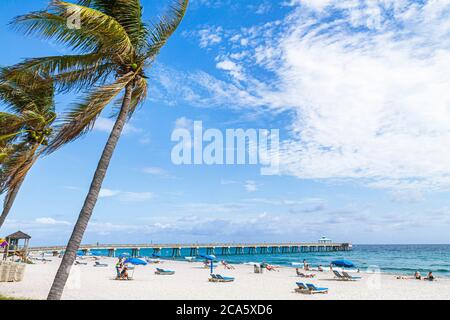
(191, 282)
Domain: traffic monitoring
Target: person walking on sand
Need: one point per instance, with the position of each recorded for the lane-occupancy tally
(119, 266)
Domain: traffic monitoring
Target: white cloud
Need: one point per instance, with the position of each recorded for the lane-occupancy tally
(210, 36)
(367, 82)
(184, 123)
(50, 221)
(107, 193)
(232, 68)
(250, 186)
(126, 196)
(155, 171)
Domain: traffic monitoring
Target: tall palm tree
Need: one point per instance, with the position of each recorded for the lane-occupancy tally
(25, 129)
(114, 47)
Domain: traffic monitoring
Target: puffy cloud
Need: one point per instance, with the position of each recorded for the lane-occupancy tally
(366, 83)
(126, 196)
(50, 221)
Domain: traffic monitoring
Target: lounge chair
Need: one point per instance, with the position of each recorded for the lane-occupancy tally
(350, 277)
(164, 272)
(219, 278)
(302, 288)
(98, 264)
(313, 289)
(80, 263)
(340, 276)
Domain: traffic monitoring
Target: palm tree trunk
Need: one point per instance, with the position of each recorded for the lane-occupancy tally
(9, 201)
(91, 199)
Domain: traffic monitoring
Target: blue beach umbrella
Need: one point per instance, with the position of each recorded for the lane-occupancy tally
(136, 261)
(211, 258)
(343, 263)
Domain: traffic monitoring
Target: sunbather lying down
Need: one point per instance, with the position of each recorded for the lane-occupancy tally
(272, 268)
(226, 265)
(304, 275)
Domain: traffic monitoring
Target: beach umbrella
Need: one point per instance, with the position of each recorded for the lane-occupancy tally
(3, 243)
(343, 263)
(211, 258)
(136, 261)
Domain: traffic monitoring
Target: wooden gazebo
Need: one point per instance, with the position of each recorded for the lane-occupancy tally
(17, 247)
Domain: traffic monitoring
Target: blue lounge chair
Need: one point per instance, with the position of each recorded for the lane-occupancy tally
(313, 289)
(349, 277)
(302, 288)
(219, 278)
(339, 276)
(160, 271)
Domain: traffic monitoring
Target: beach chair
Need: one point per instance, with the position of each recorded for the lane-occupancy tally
(219, 278)
(80, 263)
(98, 264)
(339, 276)
(164, 272)
(302, 288)
(313, 289)
(350, 277)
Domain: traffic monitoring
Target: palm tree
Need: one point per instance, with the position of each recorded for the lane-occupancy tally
(113, 47)
(25, 130)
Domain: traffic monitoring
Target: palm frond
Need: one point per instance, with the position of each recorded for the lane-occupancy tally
(25, 90)
(17, 165)
(71, 72)
(82, 117)
(166, 26)
(97, 30)
(128, 13)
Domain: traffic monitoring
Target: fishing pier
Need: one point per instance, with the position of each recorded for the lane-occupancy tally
(209, 248)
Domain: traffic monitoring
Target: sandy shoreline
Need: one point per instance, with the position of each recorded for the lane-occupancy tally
(191, 282)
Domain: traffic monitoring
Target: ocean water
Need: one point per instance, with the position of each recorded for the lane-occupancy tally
(397, 259)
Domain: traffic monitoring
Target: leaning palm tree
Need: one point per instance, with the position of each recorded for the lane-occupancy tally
(25, 129)
(113, 47)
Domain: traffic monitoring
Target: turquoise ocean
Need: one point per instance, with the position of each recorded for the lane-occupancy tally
(397, 259)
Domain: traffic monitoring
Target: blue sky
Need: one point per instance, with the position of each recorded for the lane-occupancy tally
(358, 90)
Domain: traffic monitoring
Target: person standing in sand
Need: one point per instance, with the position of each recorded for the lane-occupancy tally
(119, 266)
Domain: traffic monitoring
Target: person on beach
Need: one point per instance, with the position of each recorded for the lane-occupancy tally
(430, 276)
(305, 265)
(271, 268)
(303, 275)
(124, 273)
(319, 268)
(226, 265)
(417, 275)
(119, 266)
